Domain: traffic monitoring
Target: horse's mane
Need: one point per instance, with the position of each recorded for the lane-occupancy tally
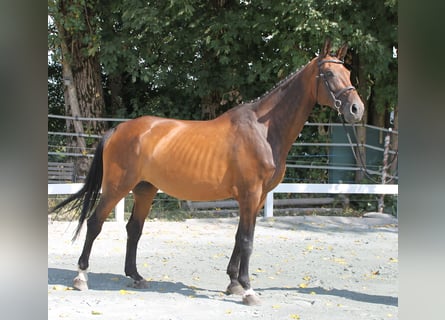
(279, 85)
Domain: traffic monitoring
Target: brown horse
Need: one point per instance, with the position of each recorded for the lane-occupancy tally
(240, 154)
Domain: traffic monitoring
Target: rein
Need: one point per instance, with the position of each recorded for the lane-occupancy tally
(334, 95)
(359, 159)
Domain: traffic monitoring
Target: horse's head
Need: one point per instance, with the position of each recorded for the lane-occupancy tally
(334, 86)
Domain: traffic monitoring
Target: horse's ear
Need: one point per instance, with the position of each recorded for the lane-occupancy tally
(326, 48)
(341, 53)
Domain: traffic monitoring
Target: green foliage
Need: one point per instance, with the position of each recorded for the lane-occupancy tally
(174, 55)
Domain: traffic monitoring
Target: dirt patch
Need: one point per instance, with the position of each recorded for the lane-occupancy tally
(304, 267)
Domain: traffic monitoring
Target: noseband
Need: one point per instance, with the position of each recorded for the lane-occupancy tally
(334, 95)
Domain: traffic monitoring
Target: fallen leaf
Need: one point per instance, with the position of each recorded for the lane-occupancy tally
(276, 306)
(122, 291)
(61, 288)
(303, 285)
(339, 260)
(96, 313)
(295, 316)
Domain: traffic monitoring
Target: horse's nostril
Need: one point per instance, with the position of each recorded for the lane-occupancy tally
(354, 109)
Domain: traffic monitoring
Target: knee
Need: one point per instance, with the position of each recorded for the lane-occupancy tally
(245, 245)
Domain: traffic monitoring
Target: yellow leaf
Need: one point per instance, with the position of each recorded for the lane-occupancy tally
(295, 316)
(122, 291)
(339, 260)
(96, 313)
(306, 278)
(228, 311)
(303, 285)
(393, 260)
(276, 306)
(62, 288)
(259, 270)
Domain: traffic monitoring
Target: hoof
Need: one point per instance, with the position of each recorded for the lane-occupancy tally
(80, 284)
(235, 288)
(251, 299)
(139, 284)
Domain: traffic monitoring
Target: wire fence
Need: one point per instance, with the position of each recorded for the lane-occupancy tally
(336, 159)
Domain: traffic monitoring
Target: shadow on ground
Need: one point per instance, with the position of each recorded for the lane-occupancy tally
(342, 293)
(110, 282)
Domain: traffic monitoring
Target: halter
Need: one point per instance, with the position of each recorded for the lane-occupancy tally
(334, 95)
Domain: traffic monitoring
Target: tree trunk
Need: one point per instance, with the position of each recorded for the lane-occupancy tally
(71, 100)
(81, 72)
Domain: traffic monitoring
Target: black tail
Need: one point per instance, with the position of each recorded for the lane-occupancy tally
(87, 197)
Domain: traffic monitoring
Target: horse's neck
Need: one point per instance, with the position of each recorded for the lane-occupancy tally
(286, 109)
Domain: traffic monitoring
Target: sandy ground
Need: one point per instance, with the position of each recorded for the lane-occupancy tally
(301, 268)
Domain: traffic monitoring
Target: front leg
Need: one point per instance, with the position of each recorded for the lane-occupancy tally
(238, 268)
(233, 270)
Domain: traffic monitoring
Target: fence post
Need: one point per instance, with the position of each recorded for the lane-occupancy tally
(381, 202)
(119, 210)
(268, 205)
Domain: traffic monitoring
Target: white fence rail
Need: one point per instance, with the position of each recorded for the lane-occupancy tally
(71, 188)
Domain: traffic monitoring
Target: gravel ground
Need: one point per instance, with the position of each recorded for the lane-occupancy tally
(305, 267)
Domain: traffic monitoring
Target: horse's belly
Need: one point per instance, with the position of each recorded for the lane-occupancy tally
(191, 184)
(191, 189)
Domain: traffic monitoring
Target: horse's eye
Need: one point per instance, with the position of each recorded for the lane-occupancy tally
(329, 74)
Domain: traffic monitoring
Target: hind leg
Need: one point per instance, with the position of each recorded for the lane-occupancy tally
(144, 194)
(94, 226)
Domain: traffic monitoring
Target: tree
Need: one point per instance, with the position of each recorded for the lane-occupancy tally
(75, 44)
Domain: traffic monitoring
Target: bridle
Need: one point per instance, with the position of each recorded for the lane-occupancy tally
(334, 95)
